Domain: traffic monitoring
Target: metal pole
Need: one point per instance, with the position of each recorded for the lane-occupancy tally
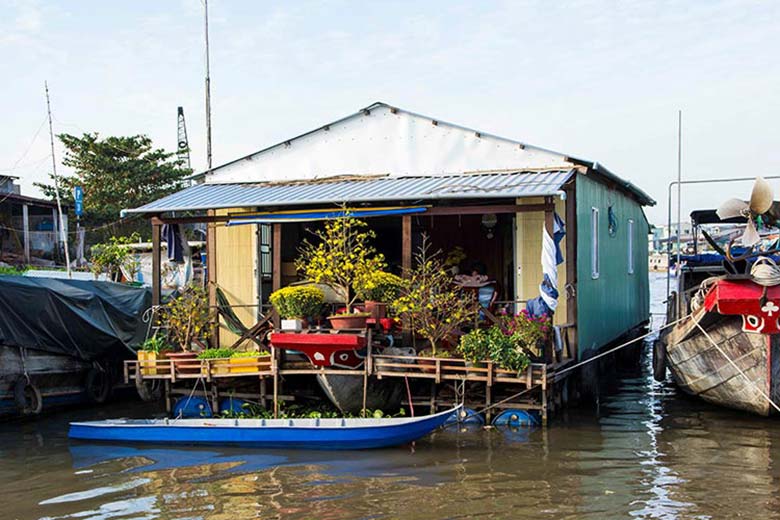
(208, 86)
(63, 233)
(679, 186)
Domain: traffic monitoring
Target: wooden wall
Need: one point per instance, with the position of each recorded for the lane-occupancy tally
(528, 254)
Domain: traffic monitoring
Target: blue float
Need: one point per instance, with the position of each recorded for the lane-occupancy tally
(192, 407)
(467, 416)
(516, 418)
(232, 405)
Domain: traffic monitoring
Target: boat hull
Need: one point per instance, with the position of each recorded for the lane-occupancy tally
(317, 434)
(346, 392)
(702, 369)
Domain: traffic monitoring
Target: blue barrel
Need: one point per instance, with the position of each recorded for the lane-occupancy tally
(192, 407)
(467, 416)
(232, 405)
(515, 418)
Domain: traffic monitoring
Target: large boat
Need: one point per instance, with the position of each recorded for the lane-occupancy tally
(722, 339)
(62, 341)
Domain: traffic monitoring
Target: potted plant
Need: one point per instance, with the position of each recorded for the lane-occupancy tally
(378, 290)
(429, 304)
(213, 354)
(248, 361)
(297, 304)
(342, 257)
(153, 349)
(189, 320)
(474, 347)
(530, 332)
(496, 344)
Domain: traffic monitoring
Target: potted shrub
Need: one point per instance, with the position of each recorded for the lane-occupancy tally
(378, 290)
(247, 361)
(474, 347)
(212, 354)
(154, 348)
(297, 304)
(342, 257)
(189, 320)
(496, 344)
(429, 304)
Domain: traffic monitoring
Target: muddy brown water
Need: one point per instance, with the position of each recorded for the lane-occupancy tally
(643, 451)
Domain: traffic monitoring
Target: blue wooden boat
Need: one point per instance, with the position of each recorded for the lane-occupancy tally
(315, 434)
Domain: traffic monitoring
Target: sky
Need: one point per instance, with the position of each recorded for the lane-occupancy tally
(601, 80)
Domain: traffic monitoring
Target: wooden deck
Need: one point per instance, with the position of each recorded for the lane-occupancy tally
(451, 380)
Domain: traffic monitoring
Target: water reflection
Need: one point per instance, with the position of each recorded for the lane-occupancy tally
(645, 452)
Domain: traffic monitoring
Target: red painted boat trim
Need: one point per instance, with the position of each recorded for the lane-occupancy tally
(759, 306)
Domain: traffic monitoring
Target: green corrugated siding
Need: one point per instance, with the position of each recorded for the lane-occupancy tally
(616, 301)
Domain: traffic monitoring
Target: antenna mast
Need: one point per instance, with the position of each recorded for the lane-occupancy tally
(183, 144)
(63, 233)
(208, 86)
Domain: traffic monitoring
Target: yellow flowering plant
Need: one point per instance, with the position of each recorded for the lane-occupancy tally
(380, 286)
(430, 304)
(342, 256)
(188, 316)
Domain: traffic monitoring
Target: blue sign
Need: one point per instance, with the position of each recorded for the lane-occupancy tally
(78, 198)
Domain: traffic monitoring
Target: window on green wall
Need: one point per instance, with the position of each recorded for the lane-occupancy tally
(630, 231)
(594, 243)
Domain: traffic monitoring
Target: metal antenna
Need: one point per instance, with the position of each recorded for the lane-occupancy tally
(208, 86)
(63, 233)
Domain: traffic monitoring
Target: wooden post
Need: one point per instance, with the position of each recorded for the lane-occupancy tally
(549, 226)
(211, 270)
(276, 265)
(26, 232)
(406, 243)
(156, 260)
(571, 270)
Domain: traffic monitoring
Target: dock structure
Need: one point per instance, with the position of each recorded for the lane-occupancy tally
(563, 233)
(438, 383)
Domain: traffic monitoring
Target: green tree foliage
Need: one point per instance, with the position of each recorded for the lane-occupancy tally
(116, 173)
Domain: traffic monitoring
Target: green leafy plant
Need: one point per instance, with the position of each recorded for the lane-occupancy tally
(215, 353)
(528, 331)
(298, 302)
(249, 353)
(188, 316)
(496, 345)
(156, 343)
(342, 256)
(112, 256)
(380, 286)
(430, 305)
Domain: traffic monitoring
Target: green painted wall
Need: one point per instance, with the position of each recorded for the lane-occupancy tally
(616, 301)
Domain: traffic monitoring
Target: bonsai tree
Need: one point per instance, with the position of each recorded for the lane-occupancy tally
(188, 316)
(431, 305)
(342, 257)
(298, 302)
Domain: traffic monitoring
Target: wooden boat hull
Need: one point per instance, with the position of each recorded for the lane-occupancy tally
(346, 392)
(701, 369)
(318, 434)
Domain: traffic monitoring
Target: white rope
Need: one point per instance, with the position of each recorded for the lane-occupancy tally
(737, 368)
(765, 272)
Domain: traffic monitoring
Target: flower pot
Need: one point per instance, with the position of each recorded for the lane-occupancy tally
(293, 324)
(377, 310)
(148, 361)
(348, 321)
(185, 362)
(218, 366)
(242, 365)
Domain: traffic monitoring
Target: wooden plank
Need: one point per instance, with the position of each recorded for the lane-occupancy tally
(156, 265)
(480, 210)
(211, 269)
(406, 243)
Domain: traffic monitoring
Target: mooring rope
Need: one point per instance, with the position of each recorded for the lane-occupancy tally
(766, 272)
(750, 381)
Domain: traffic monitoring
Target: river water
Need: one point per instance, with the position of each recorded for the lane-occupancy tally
(643, 451)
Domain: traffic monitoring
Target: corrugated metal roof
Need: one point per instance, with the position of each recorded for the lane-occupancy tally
(440, 187)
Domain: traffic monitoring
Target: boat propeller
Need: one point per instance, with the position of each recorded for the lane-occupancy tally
(761, 201)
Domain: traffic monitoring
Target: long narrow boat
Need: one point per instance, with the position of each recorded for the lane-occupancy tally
(316, 434)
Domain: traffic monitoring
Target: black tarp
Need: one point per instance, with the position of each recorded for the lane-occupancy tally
(82, 318)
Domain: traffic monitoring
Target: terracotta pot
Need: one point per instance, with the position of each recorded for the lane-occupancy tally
(348, 321)
(377, 310)
(185, 362)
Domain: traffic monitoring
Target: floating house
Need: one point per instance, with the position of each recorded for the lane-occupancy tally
(503, 205)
